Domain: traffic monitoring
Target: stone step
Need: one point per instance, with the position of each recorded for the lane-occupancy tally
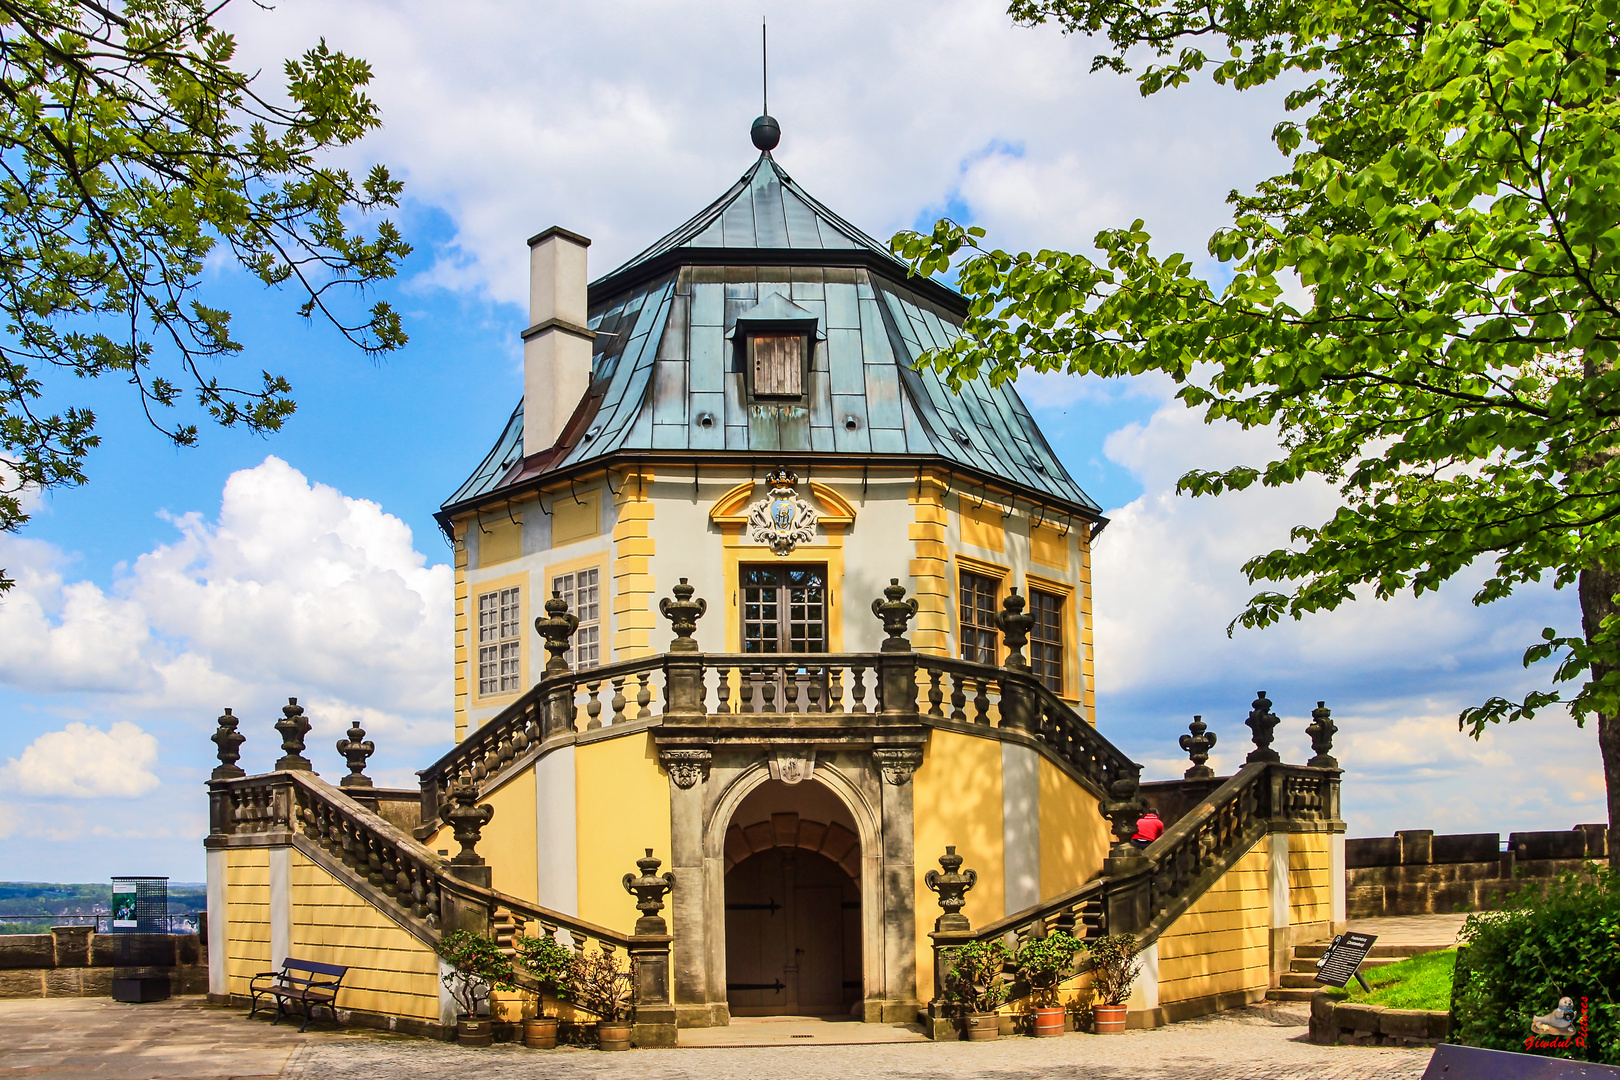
(1317, 948)
(1297, 980)
(1309, 966)
(1289, 993)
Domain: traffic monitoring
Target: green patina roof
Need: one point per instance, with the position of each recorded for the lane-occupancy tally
(666, 378)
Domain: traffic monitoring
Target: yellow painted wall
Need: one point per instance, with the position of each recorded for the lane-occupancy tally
(1088, 641)
(957, 800)
(461, 672)
(500, 542)
(1074, 836)
(930, 632)
(390, 971)
(635, 611)
(1221, 943)
(1310, 878)
(508, 842)
(622, 800)
(247, 899)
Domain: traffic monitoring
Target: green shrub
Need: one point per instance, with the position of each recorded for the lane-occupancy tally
(1114, 967)
(1044, 963)
(975, 978)
(1560, 939)
(476, 965)
(553, 966)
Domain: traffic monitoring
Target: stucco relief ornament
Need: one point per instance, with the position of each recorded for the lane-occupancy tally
(792, 765)
(783, 520)
(897, 763)
(686, 767)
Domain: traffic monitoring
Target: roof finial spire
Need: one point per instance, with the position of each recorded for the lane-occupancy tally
(766, 132)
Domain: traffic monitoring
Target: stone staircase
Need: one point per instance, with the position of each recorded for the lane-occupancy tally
(1298, 983)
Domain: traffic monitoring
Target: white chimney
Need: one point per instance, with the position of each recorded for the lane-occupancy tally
(557, 344)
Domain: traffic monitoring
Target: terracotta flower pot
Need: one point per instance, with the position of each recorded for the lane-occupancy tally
(1048, 1022)
(615, 1036)
(540, 1032)
(1108, 1019)
(473, 1031)
(981, 1027)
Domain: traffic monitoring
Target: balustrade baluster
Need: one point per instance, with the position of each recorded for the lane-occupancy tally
(935, 694)
(579, 939)
(790, 689)
(418, 892)
(548, 929)
(618, 700)
(981, 701)
(813, 690)
(722, 690)
(958, 697)
(593, 708)
(374, 862)
(643, 695)
(835, 690)
(857, 693)
(767, 690)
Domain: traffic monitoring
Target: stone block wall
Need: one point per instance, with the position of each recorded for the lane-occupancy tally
(1416, 872)
(74, 961)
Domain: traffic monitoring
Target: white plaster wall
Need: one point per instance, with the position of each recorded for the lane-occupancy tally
(218, 922)
(280, 904)
(556, 832)
(687, 544)
(878, 547)
(1021, 824)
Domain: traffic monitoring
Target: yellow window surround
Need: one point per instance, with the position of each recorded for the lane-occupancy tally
(483, 588)
(1071, 631)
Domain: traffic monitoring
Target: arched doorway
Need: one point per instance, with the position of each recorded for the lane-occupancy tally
(793, 904)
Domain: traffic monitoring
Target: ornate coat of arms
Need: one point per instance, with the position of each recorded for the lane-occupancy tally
(783, 520)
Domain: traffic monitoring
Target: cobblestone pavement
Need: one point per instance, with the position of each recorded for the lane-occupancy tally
(1260, 1043)
(101, 1039)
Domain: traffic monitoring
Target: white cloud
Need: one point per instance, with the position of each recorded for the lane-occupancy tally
(84, 762)
(295, 589)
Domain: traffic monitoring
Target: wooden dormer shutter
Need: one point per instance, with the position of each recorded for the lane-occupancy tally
(778, 365)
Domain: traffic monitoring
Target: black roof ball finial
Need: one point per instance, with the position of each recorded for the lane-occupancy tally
(766, 133)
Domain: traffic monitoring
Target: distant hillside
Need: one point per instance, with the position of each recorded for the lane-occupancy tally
(46, 899)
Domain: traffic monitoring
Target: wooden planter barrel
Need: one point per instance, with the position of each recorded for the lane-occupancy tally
(613, 1036)
(1048, 1022)
(473, 1031)
(540, 1032)
(981, 1027)
(1108, 1019)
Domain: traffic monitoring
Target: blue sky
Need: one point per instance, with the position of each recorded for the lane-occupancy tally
(179, 581)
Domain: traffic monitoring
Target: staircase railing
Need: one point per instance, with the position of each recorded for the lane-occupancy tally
(425, 893)
(1144, 892)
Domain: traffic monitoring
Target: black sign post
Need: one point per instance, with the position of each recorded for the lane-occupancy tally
(1341, 959)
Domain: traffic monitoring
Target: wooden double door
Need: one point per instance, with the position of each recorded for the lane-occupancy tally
(784, 607)
(793, 936)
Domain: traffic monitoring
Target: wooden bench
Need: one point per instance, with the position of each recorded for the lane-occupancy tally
(311, 983)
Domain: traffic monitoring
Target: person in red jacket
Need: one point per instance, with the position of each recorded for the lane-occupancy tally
(1148, 828)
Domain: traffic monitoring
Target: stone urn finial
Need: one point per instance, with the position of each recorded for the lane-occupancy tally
(1015, 624)
(649, 889)
(1122, 808)
(557, 628)
(356, 748)
(1197, 744)
(683, 613)
(1321, 730)
(1263, 722)
(294, 726)
(229, 741)
(895, 611)
(467, 819)
(952, 887)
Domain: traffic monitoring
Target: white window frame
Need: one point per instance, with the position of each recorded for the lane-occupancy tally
(585, 649)
(500, 641)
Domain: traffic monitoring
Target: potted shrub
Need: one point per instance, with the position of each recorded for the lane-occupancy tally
(1043, 963)
(604, 988)
(552, 967)
(976, 983)
(1114, 967)
(477, 966)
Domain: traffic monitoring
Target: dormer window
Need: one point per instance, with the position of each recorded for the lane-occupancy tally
(777, 364)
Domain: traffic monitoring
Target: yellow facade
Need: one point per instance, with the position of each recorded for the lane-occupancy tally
(957, 800)
(930, 632)
(1310, 878)
(462, 687)
(1221, 944)
(1088, 652)
(390, 971)
(635, 608)
(622, 799)
(1074, 836)
(509, 846)
(247, 898)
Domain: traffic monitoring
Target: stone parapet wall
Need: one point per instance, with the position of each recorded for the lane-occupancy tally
(1416, 872)
(74, 961)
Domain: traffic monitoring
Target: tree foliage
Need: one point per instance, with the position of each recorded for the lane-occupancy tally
(132, 153)
(1425, 302)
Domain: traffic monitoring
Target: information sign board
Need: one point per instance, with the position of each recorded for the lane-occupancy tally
(1341, 959)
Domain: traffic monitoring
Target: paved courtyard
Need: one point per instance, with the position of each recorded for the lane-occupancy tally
(96, 1039)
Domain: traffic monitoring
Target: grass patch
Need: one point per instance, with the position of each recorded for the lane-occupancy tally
(1418, 982)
